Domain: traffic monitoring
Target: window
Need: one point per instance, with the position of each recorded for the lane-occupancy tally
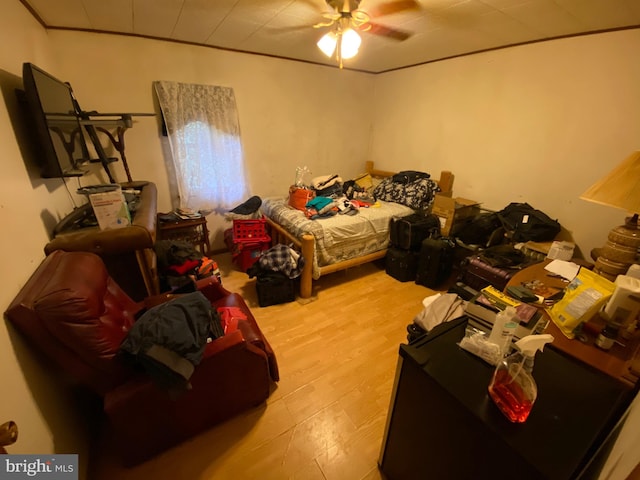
(206, 150)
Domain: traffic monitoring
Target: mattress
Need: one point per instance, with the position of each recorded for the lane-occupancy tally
(340, 237)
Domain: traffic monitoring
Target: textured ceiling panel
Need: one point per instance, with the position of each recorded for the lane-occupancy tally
(284, 28)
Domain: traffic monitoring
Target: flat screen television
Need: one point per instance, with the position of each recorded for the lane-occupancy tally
(55, 120)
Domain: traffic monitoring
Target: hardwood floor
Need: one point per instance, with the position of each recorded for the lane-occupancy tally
(325, 418)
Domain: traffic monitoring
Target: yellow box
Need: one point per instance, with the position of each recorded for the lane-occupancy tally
(452, 211)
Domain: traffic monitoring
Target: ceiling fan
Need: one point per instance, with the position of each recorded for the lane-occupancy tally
(346, 18)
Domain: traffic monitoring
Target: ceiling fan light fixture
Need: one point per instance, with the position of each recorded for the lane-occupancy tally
(350, 43)
(327, 44)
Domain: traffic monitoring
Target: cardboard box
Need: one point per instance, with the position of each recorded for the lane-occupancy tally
(453, 211)
(111, 209)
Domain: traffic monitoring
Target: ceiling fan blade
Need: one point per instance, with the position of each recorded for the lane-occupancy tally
(390, 8)
(388, 32)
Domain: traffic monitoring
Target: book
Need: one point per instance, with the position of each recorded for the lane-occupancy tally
(542, 290)
(483, 308)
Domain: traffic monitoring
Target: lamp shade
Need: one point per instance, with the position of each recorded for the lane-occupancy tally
(350, 43)
(328, 43)
(620, 188)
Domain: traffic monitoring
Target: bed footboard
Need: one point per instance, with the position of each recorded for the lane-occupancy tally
(305, 245)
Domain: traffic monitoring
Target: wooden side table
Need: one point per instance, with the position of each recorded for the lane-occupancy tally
(192, 230)
(619, 362)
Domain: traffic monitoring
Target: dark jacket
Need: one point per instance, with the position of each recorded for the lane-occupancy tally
(169, 339)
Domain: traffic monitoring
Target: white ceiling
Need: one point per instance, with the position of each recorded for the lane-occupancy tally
(283, 28)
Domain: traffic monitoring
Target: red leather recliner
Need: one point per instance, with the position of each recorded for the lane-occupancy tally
(73, 312)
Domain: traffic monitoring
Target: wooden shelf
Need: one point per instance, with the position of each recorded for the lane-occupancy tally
(193, 230)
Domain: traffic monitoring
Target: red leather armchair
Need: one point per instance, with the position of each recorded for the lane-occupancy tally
(73, 312)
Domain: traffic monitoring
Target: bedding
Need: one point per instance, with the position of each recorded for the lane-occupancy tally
(339, 237)
(341, 241)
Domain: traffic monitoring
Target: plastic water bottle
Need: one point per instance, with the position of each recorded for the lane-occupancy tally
(504, 328)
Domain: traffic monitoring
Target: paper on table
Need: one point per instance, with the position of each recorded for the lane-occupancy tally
(563, 268)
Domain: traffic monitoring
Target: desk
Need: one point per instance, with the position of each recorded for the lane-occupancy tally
(443, 425)
(619, 362)
(192, 230)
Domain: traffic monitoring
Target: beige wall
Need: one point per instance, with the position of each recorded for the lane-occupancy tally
(291, 114)
(44, 411)
(537, 123)
(564, 112)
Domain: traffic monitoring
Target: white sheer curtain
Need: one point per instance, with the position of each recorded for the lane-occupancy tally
(204, 137)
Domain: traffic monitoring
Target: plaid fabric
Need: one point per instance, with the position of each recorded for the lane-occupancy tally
(281, 258)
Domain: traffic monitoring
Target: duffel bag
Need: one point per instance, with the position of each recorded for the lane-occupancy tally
(523, 223)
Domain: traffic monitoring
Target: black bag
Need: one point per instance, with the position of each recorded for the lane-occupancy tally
(504, 256)
(522, 223)
(274, 288)
(401, 264)
(435, 262)
(480, 229)
(409, 232)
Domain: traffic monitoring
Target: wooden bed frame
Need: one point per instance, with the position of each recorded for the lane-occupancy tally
(306, 243)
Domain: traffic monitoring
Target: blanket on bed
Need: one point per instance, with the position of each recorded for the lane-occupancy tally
(340, 237)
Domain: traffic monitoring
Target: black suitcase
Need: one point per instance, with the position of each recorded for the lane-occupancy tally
(274, 289)
(401, 264)
(478, 274)
(435, 262)
(409, 232)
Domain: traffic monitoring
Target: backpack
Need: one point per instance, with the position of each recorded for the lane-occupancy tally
(522, 223)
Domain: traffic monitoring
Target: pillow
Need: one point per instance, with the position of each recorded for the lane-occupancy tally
(364, 181)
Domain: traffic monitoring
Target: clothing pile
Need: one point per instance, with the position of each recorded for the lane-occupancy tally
(168, 340)
(328, 186)
(180, 265)
(275, 272)
(279, 259)
(332, 197)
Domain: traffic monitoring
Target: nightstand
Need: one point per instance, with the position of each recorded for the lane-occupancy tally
(192, 230)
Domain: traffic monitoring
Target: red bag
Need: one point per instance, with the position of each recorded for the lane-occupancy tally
(298, 197)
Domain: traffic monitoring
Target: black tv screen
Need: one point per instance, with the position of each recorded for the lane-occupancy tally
(55, 122)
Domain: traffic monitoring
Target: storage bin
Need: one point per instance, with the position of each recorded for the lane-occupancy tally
(275, 289)
(250, 230)
(245, 254)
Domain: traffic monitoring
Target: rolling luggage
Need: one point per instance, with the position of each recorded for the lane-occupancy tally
(409, 232)
(401, 264)
(435, 262)
(478, 274)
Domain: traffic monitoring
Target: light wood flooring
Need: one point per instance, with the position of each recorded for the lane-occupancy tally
(325, 418)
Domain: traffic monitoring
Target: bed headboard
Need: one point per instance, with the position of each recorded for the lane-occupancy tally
(445, 182)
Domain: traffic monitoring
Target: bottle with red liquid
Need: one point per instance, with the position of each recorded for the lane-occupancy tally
(512, 387)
